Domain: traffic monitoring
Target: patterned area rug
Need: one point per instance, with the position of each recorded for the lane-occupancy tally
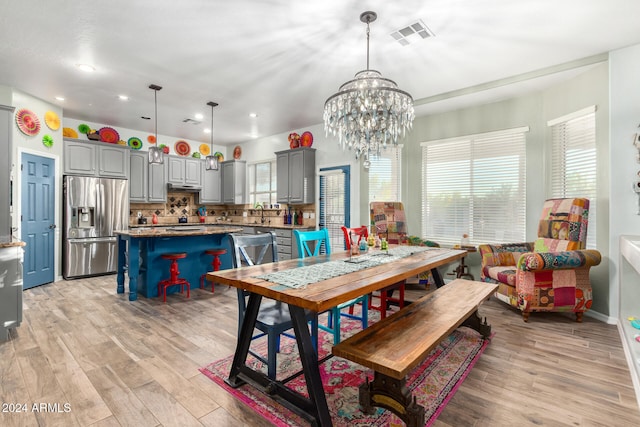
(434, 382)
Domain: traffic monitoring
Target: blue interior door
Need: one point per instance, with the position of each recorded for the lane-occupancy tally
(38, 219)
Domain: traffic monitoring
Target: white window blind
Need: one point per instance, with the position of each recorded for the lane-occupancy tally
(475, 185)
(262, 182)
(385, 175)
(573, 161)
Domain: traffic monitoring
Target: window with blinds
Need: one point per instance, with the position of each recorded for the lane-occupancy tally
(475, 185)
(334, 203)
(573, 161)
(385, 175)
(262, 182)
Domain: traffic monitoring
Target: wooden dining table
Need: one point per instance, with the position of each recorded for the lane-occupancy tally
(318, 297)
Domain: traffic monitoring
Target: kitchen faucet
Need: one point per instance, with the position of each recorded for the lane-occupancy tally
(259, 206)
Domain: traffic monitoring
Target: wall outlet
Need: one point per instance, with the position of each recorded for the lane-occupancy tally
(305, 215)
(244, 214)
(312, 215)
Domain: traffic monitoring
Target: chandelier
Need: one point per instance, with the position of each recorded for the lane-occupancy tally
(155, 152)
(211, 162)
(369, 112)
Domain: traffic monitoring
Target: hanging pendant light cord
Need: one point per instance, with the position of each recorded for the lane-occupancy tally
(155, 97)
(211, 144)
(368, 20)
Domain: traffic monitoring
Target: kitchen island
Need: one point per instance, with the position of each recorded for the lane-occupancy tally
(143, 246)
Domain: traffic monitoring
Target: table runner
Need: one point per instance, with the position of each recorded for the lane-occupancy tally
(302, 276)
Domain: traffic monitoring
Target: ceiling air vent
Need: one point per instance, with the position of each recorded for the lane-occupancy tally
(412, 33)
(191, 121)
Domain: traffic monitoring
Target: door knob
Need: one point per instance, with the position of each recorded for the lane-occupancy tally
(52, 226)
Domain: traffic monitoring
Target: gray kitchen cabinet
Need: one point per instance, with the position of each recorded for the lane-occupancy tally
(295, 175)
(99, 159)
(79, 158)
(138, 176)
(211, 192)
(113, 161)
(184, 171)
(10, 289)
(157, 184)
(287, 248)
(147, 182)
(6, 153)
(234, 179)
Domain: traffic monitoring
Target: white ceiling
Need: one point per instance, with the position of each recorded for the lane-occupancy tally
(282, 58)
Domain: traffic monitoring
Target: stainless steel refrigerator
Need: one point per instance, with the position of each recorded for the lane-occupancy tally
(93, 209)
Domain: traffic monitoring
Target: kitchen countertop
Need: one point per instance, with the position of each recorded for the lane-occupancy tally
(219, 225)
(182, 230)
(11, 243)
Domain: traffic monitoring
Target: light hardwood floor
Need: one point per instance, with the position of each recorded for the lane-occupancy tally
(121, 363)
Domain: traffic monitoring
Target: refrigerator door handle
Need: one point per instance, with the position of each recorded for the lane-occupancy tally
(93, 240)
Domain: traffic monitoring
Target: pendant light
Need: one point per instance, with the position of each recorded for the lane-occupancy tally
(211, 162)
(369, 112)
(155, 153)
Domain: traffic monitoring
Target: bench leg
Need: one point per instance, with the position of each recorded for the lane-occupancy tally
(475, 322)
(391, 394)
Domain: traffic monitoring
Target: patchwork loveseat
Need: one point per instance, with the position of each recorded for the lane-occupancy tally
(552, 273)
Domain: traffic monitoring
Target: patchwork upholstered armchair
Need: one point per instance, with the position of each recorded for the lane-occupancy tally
(552, 273)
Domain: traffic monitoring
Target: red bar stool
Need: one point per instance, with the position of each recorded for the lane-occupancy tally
(173, 279)
(216, 263)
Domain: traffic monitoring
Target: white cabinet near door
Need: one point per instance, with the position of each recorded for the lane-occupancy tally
(184, 171)
(234, 180)
(296, 175)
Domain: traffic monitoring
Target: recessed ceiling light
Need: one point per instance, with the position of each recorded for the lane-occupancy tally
(86, 68)
(123, 97)
(60, 98)
(207, 130)
(198, 116)
(253, 115)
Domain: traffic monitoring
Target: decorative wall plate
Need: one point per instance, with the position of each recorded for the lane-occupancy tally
(69, 133)
(135, 143)
(237, 152)
(204, 149)
(151, 139)
(47, 141)
(182, 148)
(219, 156)
(109, 135)
(306, 139)
(52, 120)
(28, 122)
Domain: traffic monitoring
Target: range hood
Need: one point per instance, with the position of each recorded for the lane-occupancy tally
(184, 187)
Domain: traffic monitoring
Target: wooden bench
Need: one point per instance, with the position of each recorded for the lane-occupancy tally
(395, 345)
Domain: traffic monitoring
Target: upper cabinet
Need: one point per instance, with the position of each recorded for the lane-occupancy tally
(96, 159)
(234, 179)
(296, 175)
(211, 192)
(147, 182)
(184, 171)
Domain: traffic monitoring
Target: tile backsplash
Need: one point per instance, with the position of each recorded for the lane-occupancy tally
(181, 204)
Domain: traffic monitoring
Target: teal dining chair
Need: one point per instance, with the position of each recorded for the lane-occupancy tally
(274, 318)
(314, 243)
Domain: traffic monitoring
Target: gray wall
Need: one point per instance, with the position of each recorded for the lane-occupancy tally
(533, 110)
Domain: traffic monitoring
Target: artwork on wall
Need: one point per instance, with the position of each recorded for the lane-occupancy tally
(28, 122)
